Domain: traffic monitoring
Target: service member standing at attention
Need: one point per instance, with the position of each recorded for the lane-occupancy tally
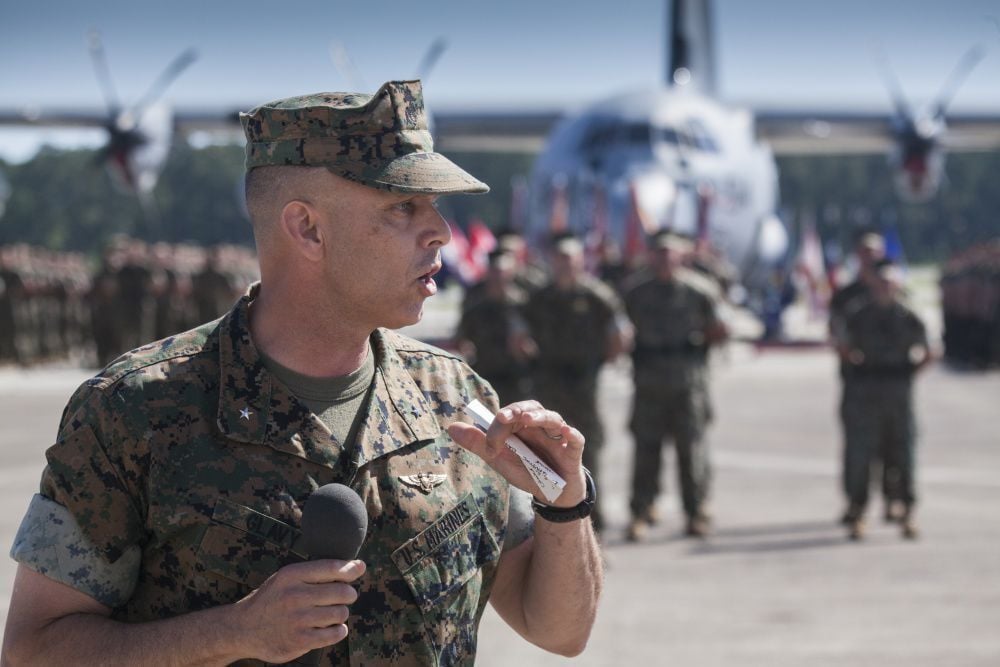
(491, 331)
(167, 528)
(869, 250)
(576, 323)
(676, 324)
(885, 346)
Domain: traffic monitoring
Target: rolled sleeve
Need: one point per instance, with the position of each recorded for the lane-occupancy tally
(50, 542)
(520, 519)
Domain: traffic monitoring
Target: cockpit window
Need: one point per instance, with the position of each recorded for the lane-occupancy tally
(692, 136)
(700, 137)
(606, 135)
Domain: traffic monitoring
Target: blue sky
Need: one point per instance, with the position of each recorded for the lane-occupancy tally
(515, 54)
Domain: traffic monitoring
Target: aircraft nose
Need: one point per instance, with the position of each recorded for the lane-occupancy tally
(772, 242)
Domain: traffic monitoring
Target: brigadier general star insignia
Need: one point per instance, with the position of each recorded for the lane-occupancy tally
(425, 481)
(245, 414)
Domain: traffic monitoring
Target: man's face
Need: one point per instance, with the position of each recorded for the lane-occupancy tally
(567, 266)
(666, 261)
(383, 251)
(870, 253)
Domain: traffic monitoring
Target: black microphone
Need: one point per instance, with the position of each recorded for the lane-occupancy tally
(334, 524)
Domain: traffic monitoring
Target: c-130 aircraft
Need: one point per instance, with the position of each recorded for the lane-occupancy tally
(676, 156)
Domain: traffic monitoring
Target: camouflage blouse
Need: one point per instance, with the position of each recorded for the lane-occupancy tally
(185, 465)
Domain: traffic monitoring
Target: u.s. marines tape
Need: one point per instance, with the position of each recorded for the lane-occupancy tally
(547, 479)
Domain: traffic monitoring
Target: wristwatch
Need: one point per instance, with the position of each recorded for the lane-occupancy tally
(566, 514)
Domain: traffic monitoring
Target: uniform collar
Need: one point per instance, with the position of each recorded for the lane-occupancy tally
(255, 408)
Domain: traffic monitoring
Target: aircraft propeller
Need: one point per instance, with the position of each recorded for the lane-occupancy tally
(431, 57)
(100, 61)
(965, 65)
(162, 82)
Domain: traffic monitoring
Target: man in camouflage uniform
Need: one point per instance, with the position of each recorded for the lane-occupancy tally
(884, 345)
(676, 323)
(168, 523)
(576, 324)
(869, 250)
(491, 330)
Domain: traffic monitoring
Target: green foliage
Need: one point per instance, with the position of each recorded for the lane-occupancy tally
(844, 193)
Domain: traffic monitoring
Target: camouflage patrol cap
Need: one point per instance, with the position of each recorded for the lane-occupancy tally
(872, 241)
(379, 140)
(666, 238)
(566, 243)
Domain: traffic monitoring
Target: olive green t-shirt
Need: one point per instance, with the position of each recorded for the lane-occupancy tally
(337, 401)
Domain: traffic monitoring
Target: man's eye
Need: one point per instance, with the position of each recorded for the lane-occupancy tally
(407, 207)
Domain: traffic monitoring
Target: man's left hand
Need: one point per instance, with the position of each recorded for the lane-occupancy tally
(548, 435)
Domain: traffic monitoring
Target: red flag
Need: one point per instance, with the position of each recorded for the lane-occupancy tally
(597, 236)
(637, 226)
(810, 267)
(559, 213)
(480, 243)
(455, 256)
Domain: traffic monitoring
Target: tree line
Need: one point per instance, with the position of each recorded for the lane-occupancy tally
(62, 200)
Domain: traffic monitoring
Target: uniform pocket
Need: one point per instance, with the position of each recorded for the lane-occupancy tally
(246, 546)
(447, 555)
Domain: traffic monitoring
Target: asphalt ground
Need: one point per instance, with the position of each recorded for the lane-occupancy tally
(777, 582)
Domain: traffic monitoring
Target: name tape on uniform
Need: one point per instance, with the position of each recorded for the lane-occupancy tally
(547, 479)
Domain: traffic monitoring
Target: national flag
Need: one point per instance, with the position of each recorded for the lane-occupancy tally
(810, 268)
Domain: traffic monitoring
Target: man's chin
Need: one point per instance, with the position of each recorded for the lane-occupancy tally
(408, 320)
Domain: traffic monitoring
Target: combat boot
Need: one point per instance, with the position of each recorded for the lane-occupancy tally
(652, 515)
(909, 526)
(697, 526)
(637, 530)
(895, 511)
(855, 521)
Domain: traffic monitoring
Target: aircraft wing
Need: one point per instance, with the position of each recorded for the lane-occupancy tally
(30, 116)
(968, 133)
(795, 132)
(185, 120)
(498, 132)
(846, 133)
(504, 132)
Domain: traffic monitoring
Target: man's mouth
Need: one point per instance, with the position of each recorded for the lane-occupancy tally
(427, 279)
(429, 276)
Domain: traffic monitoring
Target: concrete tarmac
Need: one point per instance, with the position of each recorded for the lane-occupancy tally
(777, 583)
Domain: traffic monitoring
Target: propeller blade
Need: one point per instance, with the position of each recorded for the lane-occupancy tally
(431, 57)
(965, 65)
(345, 66)
(167, 77)
(891, 82)
(103, 72)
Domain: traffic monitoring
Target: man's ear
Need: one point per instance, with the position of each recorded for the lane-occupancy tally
(300, 225)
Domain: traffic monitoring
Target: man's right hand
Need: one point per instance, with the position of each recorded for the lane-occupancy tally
(300, 607)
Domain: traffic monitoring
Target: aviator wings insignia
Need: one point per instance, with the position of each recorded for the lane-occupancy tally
(425, 481)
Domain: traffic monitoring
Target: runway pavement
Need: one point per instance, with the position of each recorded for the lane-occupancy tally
(777, 583)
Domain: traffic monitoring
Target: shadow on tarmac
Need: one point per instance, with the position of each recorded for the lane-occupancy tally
(764, 538)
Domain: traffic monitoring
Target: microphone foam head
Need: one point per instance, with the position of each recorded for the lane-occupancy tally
(334, 523)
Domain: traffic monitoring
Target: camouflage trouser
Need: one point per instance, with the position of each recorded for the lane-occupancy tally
(880, 459)
(574, 396)
(681, 413)
(878, 422)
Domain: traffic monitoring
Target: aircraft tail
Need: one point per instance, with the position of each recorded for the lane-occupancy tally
(691, 56)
